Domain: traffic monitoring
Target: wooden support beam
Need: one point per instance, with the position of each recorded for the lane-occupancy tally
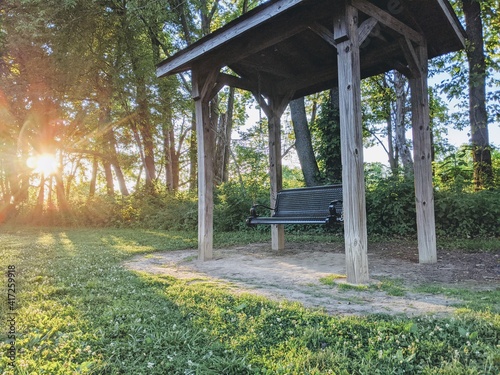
(453, 20)
(325, 33)
(330, 73)
(388, 20)
(202, 89)
(209, 88)
(411, 57)
(422, 151)
(353, 182)
(274, 110)
(366, 28)
(402, 68)
(233, 81)
(181, 61)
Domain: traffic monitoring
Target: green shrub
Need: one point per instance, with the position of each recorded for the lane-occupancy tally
(390, 207)
(233, 202)
(460, 214)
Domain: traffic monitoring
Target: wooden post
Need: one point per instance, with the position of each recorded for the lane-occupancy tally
(273, 111)
(275, 171)
(201, 86)
(422, 151)
(353, 182)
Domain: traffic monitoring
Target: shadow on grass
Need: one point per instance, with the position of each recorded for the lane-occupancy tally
(80, 311)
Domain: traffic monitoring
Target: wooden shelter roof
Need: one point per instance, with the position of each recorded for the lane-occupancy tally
(286, 47)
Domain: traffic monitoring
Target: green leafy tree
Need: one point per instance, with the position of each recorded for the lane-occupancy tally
(474, 81)
(326, 137)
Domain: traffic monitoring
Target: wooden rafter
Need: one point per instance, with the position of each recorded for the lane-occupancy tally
(366, 28)
(227, 35)
(453, 21)
(388, 20)
(324, 33)
(411, 57)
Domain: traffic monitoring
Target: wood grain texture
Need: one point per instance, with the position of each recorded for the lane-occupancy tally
(355, 231)
(276, 107)
(206, 147)
(387, 19)
(424, 194)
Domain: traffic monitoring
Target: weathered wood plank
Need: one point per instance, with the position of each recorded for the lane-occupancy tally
(206, 147)
(452, 19)
(329, 74)
(424, 195)
(411, 58)
(353, 182)
(324, 33)
(366, 28)
(277, 106)
(274, 110)
(209, 85)
(387, 19)
(275, 9)
(237, 82)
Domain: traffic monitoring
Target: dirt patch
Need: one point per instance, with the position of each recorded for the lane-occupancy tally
(295, 274)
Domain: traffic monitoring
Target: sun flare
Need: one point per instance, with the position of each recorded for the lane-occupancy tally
(45, 164)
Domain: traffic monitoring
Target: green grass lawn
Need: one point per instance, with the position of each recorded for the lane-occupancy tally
(79, 312)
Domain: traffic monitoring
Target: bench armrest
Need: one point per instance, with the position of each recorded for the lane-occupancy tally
(253, 210)
(333, 209)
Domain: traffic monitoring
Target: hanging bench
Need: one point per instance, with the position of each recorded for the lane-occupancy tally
(312, 205)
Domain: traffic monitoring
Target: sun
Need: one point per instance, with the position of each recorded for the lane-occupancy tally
(44, 163)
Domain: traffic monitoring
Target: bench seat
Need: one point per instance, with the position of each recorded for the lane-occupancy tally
(320, 205)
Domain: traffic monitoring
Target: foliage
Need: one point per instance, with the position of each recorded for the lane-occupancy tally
(326, 132)
(233, 205)
(390, 203)
(454, 65)
(454, 172)
(80, 311)
(460, 214)
(390, 207)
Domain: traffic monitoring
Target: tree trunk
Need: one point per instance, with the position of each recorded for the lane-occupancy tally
(391, 151)
(110, 135)
(331, 133)
(38, 210)
(62, 202)
(143, 107)
(110, 188)
(223, 142)
(483, 172)
(393, 161)
(167, 155)
(193, 157)
(93, 178)
(303, 143)
(146, 132)
(174, 159)
(229, 130)
(402, 149)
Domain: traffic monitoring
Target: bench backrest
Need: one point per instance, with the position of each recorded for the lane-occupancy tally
(312, 201)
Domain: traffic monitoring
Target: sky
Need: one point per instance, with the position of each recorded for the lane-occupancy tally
(455, 138)
(377, 153)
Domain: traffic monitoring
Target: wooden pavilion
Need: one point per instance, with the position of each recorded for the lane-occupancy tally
(286, 49)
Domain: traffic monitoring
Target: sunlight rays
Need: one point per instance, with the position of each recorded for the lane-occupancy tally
(45, 164)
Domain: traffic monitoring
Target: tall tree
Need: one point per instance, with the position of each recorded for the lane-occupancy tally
(474, 80)
(483, 172)
(326, 137)
(403, 150)
(303, 142)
